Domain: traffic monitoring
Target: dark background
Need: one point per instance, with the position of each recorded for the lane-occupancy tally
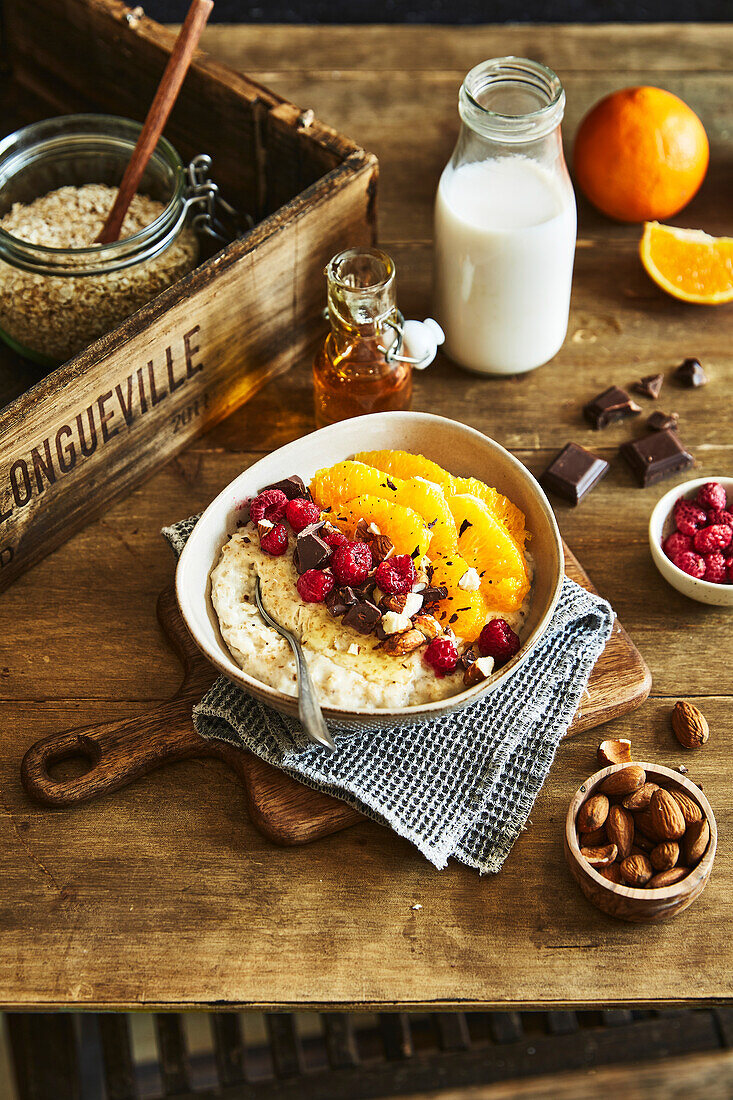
(448, 11)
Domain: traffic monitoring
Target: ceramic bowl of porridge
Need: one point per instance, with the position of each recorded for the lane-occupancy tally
(416, 559)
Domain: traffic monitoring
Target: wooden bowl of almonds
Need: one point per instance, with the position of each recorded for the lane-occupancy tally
(640, 841)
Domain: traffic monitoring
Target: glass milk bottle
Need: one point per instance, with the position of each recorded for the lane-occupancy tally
(505, 222)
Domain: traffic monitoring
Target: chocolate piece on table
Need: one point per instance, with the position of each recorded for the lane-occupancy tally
(311, 552)
(690, 374)
(574, 472)
(292, 486)
(613, 404)
(363, 616)
(658, 421)
(649, 386)
(656, 456)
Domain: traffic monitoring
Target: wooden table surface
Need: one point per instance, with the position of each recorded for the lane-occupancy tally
(163, 894)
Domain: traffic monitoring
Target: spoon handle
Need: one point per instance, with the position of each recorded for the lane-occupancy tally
(309, 710)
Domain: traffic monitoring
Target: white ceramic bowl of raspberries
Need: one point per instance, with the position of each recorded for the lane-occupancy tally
(691, 539)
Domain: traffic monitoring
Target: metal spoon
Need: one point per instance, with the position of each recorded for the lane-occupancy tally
(309, 710)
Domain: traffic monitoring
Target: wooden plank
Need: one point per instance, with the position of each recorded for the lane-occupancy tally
(453, 1033)
(119, 1068)
(341, 1046)
(229, 1048)
(285, 1045)
(394, 1028)
(172, 1053)
(419, 50)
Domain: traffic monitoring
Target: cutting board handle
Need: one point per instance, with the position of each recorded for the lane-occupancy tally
(115, 754)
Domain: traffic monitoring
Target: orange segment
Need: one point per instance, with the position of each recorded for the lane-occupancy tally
(688, 264)
(346, 480)
(499, 506)
(464, 612)
(407, 530)
(404, 464)
(486, 545)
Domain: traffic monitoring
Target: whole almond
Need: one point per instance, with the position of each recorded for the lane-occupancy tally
(612, 873)
(666, 816)
(644, 823)
(620, 829)
(690, 809)
(665, 856)
(690, 725)
(640, 798)
(600, 857)
(643, 843)
(595, 839)
(623, 782)
(636, 870)
(667, 878)
(697, 838)
(593, 813)
(614, 752)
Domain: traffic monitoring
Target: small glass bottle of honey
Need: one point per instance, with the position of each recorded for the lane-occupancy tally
(359, 368)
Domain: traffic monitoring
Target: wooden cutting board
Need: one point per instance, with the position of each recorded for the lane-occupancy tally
(117, 753)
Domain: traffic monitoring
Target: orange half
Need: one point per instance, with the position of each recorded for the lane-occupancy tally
(688, 264)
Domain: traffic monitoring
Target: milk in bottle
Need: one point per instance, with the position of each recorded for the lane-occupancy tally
(505, 222)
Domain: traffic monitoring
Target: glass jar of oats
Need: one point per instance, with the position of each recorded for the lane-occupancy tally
(59, 290)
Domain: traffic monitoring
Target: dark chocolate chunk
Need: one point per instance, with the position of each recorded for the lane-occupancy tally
(467, 658)
(658, 421)
(339, 600)
(656, 456)
(292, 486)
(649, 386)
(363, 616)
(690, 374)
(311, 552)
(574, 472)
(433, 593)
(613, 404)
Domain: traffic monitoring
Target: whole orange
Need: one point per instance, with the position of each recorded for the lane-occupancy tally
(640, 154)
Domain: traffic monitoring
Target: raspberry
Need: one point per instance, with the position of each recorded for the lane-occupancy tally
(690, 563)
(676, 543)
(499, 641)
(397, 575)
(275, 542)
(332, 536)
(300, 512)
(711, 496)
(729, 565)
(442, 655)
(715, 568)
(351, 562)
(269, 504)
(713, 538)
(688, 517)
(314, 585)
(720, 517)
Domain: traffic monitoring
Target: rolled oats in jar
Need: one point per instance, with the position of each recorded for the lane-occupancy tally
(59, 290)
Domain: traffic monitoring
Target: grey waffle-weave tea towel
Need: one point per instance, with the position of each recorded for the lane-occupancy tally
(460, 786)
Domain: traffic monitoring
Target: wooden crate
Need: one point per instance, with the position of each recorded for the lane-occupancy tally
(202, 348)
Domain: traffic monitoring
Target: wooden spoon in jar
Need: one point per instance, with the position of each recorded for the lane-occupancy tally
(160, 109)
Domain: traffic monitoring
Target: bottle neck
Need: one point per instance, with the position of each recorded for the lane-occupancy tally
(512, 100)
(361, 298)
